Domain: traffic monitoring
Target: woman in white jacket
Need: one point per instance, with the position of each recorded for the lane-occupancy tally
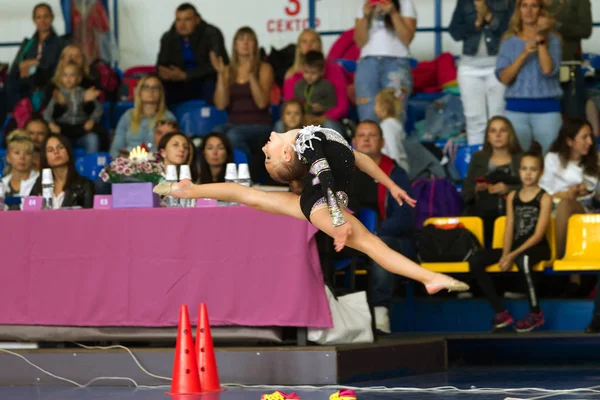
(20, 173)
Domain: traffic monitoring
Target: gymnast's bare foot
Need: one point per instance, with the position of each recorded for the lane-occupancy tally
(174, 189)
(441, 282)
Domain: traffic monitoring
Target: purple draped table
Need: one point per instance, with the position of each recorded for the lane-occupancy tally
(136, 267)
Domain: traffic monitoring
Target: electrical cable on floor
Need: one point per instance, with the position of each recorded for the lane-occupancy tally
(546, 393)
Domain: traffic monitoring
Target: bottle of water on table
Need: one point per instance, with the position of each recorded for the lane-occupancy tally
(171, 178)
(47, 189)
(231, 175)
(185, 173)
(2, 194)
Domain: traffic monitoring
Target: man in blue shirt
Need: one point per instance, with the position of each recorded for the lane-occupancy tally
(183, 64)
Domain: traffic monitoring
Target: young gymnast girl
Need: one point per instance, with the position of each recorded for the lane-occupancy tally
(325, 154)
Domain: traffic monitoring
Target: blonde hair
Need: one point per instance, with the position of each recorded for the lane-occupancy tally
(515, 26)
(57, 79)
(392, 101)
(19, 138)
(235, 58)
(299, 58)
(137, 114)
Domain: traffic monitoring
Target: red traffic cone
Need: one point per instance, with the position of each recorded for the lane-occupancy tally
(185, 369)
(207, 362)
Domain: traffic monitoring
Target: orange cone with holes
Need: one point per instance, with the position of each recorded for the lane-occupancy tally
(207, 362)
(185, 368)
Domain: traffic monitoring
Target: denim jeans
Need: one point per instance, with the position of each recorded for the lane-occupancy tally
(89, 142)
(375, 73)
(543, 127)
(384, 281)
(249, 139)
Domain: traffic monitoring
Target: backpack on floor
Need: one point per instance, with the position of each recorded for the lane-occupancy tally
(436, 197)
(438, 244)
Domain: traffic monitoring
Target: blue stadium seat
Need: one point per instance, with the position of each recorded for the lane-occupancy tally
(90, 165)
(2, 161)
(348, 65)
(275, 112)
(118, 111)
(240, 157)
(196, 120)
(463, 158)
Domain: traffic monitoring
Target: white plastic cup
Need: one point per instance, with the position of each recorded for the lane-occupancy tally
(243, 171)
(171, 173)
(231, 171)
(47, 177)
(185, 172)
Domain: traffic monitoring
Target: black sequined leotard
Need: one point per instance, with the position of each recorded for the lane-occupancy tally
(331, 161)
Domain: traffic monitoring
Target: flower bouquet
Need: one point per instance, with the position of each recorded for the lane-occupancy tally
(140, 166)
(133, 179)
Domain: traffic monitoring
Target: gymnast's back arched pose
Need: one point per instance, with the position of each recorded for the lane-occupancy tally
(325, 154)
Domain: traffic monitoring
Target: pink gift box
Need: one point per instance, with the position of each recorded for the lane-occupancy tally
(102, 202)
(134, 195)
(206, 203)
(32, 203)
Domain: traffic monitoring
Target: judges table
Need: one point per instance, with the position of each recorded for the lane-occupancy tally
(135, 267)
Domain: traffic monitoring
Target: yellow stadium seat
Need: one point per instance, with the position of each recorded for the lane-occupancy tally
(583, 244)
(474, 224)
(498, 243)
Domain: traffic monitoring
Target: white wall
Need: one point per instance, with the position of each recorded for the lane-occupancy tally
(142, 22)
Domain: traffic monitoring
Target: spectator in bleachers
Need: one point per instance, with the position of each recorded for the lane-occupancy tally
(136, 125)
(493, 173)
(396, 222)
(215, 152)
(573, 20)
(162, 127)
(38, 129)
(89, 81)
(384, 32)
(176, 149)
(183, 60)
(571, 177)
(316, 92)
(36, 59)
(309, 40)
(70, 188)
(525, 243)
(480, 24)
(74, 111)
(292, 114)
(20, 173)
(528, 64)
(388, 105)
(244, 89)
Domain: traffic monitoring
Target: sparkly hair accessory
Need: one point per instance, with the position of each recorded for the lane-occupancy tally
(303, 141)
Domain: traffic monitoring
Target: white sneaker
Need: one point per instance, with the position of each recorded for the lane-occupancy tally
(382, 319)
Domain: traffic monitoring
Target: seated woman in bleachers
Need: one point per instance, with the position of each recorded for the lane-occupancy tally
(176, 149)
(571, 177)
(244, 89)
(528, 63)
(493, 173)
(20, 173)
(36, 60)
(70, 188)
(215, 153)
(480, 24)
(136, 126)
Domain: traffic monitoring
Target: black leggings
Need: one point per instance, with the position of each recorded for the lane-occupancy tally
(525, 261)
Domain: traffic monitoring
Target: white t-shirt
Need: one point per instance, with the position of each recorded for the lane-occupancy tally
(383, 41)
(393, 135)
(558, 179)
